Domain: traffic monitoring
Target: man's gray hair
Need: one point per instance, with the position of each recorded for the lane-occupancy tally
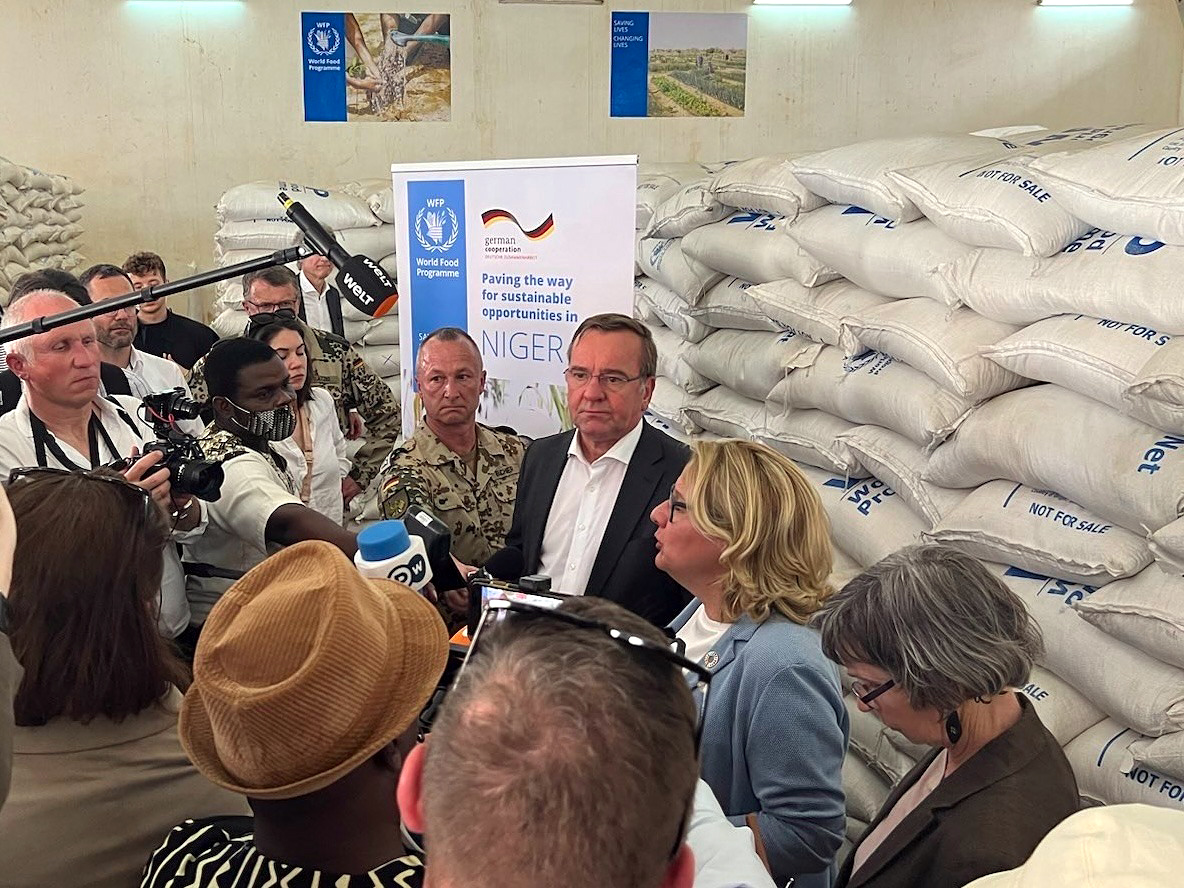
(938, 622)
(28, 308)
(561, 757)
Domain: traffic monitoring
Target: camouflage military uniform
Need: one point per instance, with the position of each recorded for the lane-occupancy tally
(423, 472)
(354, 386)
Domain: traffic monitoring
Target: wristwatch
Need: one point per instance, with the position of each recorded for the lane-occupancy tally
(5, 615)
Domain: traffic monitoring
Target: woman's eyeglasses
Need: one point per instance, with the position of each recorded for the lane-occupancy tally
(865, 693)
(675, 504)
(263, 318)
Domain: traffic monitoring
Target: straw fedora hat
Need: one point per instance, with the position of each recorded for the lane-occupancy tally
(304, 670)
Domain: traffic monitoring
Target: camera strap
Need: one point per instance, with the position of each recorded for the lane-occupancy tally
(43, 441)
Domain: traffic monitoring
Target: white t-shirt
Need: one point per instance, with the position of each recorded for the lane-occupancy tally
(316, 306)
(18, 449)
(254, 487)
(329, 462)
(583, 503)
(700, 633)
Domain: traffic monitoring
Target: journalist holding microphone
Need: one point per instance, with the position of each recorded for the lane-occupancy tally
(745, 533)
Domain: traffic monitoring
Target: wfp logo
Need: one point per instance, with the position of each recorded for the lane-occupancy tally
(492, 217)
(323, 39)
(436, 227)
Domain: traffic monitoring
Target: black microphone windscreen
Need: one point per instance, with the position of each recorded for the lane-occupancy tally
(506, 564)
(367, 287)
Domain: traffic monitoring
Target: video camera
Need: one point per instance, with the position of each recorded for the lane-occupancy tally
(189, 471)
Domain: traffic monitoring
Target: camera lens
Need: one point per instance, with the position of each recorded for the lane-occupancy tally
(198, 477)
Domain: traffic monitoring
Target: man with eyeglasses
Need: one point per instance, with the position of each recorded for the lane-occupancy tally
(358, 392)
(62, 422)
(581, 515)
(461, 471)
(565, 754)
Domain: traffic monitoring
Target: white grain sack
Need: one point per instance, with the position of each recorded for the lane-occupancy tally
(865, 791)
(818, 312)
(691, 207)
(268, 235)
(941, 342)
(1098, 358)
(1053, 439)
(995, 204)
(669, 403)
(376, 242)
(766, 184)
(656, 183)
(671, 364)
(900, 464)
(858, 174)
(1157, 391)
(1146, 611)
(669, 308)
(1121, 680)
(1101, 274)
(1062, 709)
(811, 437)
(1107, 774)
(875, 389)
(751, 362)
(725, 413)
(1041, 531)
(902, 261)
(756, 247)
(869, 741)
(260, 200)
(1134, 185)
(665, 262)
(727, 305)
(1167, 546)
(868, 520)
(1161, 754)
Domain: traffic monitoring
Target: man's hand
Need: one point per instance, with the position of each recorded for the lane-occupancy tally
(157, 480)
(7, 542)
(457, 601)
(349, 489)
(357, 427)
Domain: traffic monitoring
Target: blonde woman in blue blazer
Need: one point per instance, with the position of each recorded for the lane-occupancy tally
(744, 532)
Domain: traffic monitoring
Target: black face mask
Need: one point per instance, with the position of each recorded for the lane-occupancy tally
(276, 424)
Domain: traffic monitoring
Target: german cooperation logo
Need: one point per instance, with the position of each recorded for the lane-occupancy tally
(436, 227)
(323, 39)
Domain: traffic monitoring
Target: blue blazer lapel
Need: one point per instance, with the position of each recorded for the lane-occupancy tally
(728, 645)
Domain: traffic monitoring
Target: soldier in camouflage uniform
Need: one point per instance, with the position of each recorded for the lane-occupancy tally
(334, 365)
(464, 473)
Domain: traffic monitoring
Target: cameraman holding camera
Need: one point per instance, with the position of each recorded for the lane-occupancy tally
(61, 422)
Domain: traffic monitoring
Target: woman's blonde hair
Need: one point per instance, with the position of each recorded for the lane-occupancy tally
(777, 552)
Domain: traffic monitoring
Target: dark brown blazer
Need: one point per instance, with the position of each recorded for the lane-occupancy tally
(986, 817)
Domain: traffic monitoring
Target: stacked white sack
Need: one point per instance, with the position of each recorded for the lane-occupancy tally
(39, 223)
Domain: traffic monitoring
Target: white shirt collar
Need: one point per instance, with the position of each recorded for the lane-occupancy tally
(622, 451)
(134, 362)
(307, 288)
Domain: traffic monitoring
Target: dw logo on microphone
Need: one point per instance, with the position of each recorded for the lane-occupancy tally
(412, 573)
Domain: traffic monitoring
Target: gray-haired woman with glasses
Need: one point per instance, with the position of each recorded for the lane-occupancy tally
(935, 646)
(744, 532)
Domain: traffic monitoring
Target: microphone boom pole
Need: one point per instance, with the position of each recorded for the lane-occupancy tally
(138, 297)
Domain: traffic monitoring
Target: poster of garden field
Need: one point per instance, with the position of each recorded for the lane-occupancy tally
(678, 64)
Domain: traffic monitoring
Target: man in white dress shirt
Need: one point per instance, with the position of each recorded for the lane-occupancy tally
(146, 374)
(320, 302)
(62, 422)
(581, 514)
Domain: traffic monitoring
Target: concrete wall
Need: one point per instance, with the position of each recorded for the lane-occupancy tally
(158, 107)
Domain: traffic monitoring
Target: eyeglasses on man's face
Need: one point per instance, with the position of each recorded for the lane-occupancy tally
(577, 377)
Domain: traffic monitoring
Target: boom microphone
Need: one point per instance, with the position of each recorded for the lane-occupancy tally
(366, 286)
(506, 564)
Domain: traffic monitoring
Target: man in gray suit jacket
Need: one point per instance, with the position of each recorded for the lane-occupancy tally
(582, 511)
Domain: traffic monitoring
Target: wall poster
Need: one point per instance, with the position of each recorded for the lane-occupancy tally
(678, 64)
(377, 66)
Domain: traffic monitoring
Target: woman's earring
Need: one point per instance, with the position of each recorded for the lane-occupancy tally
(953, 727)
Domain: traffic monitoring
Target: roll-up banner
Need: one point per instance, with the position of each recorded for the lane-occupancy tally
(516, 253)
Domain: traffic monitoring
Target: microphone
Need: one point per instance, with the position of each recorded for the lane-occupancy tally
(366, 286)
(506, 564)
(387, 552)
